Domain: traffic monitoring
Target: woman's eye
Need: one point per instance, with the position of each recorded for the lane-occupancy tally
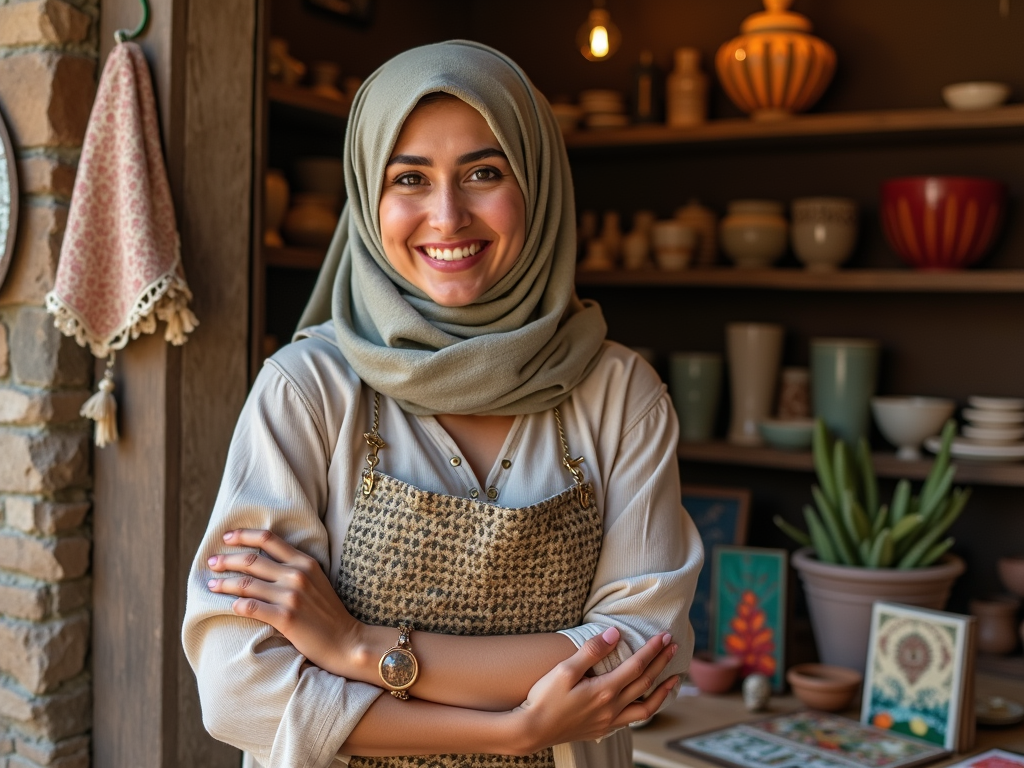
(409, 180)
(485, 174)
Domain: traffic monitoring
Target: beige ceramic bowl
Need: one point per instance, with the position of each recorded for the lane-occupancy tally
(907, 421)
(967, 97)
(823, 686)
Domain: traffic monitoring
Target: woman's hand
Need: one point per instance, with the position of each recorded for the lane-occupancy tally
(289, 591)
(566, 705)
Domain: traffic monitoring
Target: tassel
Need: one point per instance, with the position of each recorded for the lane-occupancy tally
(180, 320)
(102, 408)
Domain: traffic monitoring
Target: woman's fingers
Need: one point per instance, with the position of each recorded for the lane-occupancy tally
(651, 671)
(590, 653)
(252, 563)
(641, 710)
(271, 543)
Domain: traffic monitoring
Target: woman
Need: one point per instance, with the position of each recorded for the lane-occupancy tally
(516, 601)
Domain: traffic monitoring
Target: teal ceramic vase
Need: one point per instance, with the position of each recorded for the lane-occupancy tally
(695, 381)
(844, 374)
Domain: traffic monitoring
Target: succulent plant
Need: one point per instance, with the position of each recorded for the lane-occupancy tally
(849, 526)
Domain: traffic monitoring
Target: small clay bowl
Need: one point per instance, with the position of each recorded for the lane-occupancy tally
(823, 686)
(714, 674)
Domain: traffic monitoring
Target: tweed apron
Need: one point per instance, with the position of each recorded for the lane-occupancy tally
(463, 567)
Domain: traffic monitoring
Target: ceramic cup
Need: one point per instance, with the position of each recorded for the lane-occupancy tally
(755, 351)
(844, 373)
(754, 233)
(695, 381)
(824, 231)
(673, 244)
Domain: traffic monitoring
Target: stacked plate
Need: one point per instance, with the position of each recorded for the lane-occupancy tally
(603, 108)
(993, 430)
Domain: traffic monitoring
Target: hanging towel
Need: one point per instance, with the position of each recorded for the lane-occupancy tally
(120, 263)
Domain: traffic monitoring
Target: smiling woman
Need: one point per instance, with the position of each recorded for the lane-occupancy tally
(450, 487)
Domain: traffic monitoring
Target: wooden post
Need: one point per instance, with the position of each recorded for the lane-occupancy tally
(155, 488)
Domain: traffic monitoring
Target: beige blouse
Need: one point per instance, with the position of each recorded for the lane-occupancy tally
(294, 466)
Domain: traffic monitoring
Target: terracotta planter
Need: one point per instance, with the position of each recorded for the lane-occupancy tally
(839, 598)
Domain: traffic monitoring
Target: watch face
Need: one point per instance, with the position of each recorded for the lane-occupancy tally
(398, 668)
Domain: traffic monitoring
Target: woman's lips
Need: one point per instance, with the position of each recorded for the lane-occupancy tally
(452, 257)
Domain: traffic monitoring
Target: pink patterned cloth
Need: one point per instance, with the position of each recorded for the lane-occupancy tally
(120, 263)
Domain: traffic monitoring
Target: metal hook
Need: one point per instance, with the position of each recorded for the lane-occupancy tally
(123, 35)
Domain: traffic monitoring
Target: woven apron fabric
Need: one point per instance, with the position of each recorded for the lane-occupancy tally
(462, 567)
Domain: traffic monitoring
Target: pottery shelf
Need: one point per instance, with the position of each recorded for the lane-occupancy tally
(909, 123)
(886, 464)
(302, 107)
(293, 257)
(873, 280)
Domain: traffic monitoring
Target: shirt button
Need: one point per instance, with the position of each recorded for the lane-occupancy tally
(492, 493)
(455, 461)
(474, 493)
(505, 463)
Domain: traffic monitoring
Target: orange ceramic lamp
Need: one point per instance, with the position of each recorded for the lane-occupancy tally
(775, 67)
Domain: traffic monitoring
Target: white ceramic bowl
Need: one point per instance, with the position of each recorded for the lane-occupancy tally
(907, 421)
(975, 95)
(992, 435)
(996, 403)
(985, 417)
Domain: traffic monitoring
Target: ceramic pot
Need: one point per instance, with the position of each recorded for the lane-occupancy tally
(754, 352)
(775, 67)
(325, 77)
(794, 394)
(275, 205)
(942, 222)
(673, 244)
(695, 382)
(839, 600)
(636, 251)
(754, 233)
(844, 373)
(714, 674)
(686, 91)
(824, 231)
(704, 222)
(997, 624)
(281, 66)
(321, 176)
(311, 221)
(1011, 574)
(824, 687)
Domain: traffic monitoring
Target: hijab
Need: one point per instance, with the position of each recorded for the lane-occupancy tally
(525, 343)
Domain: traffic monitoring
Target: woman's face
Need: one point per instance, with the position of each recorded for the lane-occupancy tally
(452, 215)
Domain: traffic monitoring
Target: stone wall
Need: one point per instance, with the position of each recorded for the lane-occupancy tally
(48, 55)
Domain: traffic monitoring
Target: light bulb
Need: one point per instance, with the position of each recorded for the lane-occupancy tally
(598, 39)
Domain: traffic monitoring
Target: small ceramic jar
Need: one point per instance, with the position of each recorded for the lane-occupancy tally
(754, 233)
(757, 689)
(611, 234)
(311, 221)
(324, 75)
(673, 244)
(824, 231)
(636, 250)
(997, 624)
(597, 257)
(794, 394)
(705, 224)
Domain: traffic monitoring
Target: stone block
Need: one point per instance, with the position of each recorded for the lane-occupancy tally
(33, 267)
(40, 656)
(55, 716)
(63, 754)
(41, 356)
(43, 175)
(41, 516)
(27, 406)
(69, 596)
(47, 97)
(43, 462)
(42, 22)
(29, 601)
(5, 356)
(53, 559)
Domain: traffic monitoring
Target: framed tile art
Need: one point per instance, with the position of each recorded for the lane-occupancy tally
(917, 676)
(720, 515)
(748, 608)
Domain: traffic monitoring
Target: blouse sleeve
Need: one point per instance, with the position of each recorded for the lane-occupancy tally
(651, 553)
(257, 692)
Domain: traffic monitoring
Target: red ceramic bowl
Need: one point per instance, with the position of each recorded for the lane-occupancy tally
(942, 222)
(714, 674)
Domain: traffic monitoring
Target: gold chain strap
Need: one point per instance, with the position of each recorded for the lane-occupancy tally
(584, 492)
(375, 442)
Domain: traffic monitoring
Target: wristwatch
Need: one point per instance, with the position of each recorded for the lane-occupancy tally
(398, 667)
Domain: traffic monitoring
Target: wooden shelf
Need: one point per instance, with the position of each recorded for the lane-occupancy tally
(305, 100)
(293, 257)
(889, 123)
(885, 280)
(886, 464)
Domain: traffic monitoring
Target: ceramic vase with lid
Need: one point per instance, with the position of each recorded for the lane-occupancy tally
(775, 67)
(686, 93)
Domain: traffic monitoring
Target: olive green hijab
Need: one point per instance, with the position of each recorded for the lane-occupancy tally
(528, 341)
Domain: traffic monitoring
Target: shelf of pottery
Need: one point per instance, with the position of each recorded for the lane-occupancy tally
(307, 107)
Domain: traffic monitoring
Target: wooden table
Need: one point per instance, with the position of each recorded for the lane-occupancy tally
(690, 715)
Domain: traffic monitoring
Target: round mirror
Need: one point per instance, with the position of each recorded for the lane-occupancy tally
(8, 200)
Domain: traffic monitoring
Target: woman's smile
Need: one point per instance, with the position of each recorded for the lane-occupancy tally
(452, 215)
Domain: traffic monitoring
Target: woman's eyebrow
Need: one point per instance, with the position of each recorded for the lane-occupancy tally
(410, 160)
(480, 154)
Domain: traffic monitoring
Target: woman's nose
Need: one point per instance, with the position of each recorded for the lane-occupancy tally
(449, 212)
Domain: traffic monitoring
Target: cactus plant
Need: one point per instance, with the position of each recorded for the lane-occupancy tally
(848, 526)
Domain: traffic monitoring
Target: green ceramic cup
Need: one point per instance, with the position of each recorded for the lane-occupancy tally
(844, 374)
(695, 382)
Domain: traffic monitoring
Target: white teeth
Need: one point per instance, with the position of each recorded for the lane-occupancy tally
(452, 254)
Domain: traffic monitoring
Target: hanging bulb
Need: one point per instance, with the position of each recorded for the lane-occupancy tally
(598, 38)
